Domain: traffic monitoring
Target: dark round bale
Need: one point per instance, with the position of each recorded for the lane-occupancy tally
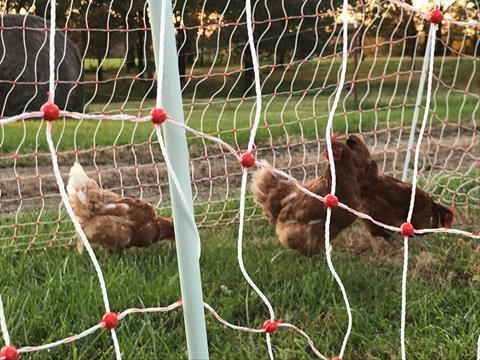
(24, 66)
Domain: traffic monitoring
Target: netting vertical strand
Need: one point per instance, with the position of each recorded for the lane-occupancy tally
(430, 60)
(328, 132)
(51, 66)
(416, 111)
(243, 186)
(3, 324)
(282, 151)
(80, 232)
(60, 183)
(182, 207)
(478, 348)
(158, 130)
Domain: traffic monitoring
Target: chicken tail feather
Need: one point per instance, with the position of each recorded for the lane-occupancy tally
(77, 182)
(167, 230)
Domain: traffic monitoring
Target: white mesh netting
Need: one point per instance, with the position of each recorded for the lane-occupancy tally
(313, 77)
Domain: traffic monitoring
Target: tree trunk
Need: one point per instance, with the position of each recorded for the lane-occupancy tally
(439, 45)
(150, 70)
(140, 54)
(182, 67)
(412, 38)
(183, 53)
(281, 55)
(99, 69)
(424, 45)
(248, 74)
(130, 56)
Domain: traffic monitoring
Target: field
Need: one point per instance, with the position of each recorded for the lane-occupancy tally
(51, 292)
(386, 102)
(54, 293)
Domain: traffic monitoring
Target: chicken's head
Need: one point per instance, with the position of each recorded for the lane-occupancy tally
(448, 217)
(367, 167)
(360, 151)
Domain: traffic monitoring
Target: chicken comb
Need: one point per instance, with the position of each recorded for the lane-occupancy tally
(449, 222)
(452, 209)
(333, 138)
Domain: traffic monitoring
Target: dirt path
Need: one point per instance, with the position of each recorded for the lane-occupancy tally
(139, 170)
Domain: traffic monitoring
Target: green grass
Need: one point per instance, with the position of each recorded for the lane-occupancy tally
(54, 293)
(292, 116)
(284, 113)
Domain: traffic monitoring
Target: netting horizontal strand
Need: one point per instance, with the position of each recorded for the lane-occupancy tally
(427, 15)
(364, 216)
(25, 116)
(260, 331)
(288, 177)
(82, 82)
(99, 326)
(230, 325)
(285, 175)
(110, 115)
(320, 198)
(151, 310)
(67, 340)
(295, 156)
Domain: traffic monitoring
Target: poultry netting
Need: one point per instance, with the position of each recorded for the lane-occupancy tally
(302, 49)
(272, 78)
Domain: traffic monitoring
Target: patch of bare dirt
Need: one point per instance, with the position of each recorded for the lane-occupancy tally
(27, 181)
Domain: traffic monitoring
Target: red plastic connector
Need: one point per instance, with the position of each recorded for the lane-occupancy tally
(407, 229)
(9, 352)
(270, 326)
(159, 116)
(331, 201)
(50, 111)
(110, 320)
(247, 160)
(436, 16)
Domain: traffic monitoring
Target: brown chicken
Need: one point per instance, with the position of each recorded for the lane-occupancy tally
(387, 200)
(113, 221)
(300, 218)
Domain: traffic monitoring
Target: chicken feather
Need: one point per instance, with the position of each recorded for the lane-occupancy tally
(387, 199)
(300, 218)
(113, 221)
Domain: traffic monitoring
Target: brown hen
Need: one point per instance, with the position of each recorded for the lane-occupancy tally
(113, 221)
(300, 218)
(387, 200)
